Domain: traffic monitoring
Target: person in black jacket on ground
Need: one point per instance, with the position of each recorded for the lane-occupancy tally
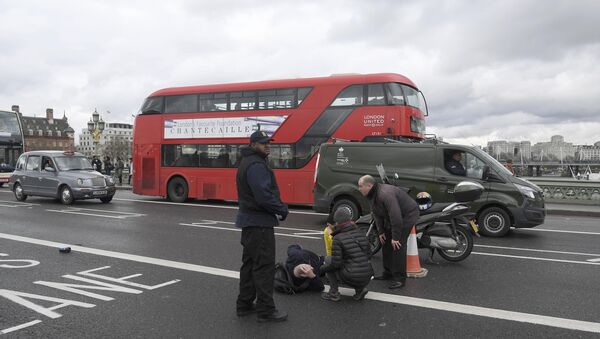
(395, 214)
(304, 265)
(260, 209)
(350, 261)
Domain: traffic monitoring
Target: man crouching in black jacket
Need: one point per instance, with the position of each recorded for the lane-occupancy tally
(260, 210)
(350, 261)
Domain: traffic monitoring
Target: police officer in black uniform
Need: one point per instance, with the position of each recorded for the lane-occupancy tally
(454, 166)
(260, 210)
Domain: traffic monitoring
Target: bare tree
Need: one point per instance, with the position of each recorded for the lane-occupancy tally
(117, 147)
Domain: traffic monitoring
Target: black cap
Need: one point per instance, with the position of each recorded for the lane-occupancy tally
(260, 136)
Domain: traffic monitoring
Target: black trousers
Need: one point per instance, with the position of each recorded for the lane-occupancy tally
(258, 269)
(394, 262)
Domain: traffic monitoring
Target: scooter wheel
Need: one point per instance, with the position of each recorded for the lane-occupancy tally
(465, 246)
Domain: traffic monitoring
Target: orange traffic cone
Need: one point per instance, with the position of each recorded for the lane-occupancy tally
(413, 266)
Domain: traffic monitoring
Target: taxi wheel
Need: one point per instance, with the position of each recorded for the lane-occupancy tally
(66, 196)
(106, 200)
(19, 195)
(494, 222)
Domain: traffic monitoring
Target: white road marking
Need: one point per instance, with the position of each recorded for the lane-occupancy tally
(207, 205)
(594, 260)
(536, 250)
(98, 213)
(201, 225)
(556, 231)
(536, 319)
(537, 258)
(214, 222)
(9, 203)
(20, 327)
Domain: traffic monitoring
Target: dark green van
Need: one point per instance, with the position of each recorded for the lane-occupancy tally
(507, 201)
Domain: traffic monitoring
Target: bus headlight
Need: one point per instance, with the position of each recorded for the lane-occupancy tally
(526, 191)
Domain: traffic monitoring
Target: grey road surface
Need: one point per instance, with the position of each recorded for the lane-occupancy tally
(145, 268)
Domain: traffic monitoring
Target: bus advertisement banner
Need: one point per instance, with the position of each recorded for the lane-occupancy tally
(240, 127)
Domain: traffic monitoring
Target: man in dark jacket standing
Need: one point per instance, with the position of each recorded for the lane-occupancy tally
(260, 210)
(395, 213)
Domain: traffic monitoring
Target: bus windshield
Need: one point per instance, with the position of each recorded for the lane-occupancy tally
(10, 130)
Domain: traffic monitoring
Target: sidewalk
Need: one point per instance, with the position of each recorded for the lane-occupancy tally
(124, 186)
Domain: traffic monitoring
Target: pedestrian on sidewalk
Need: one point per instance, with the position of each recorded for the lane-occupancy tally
(130, 171)
(350, 261)
(395, 214)
(260, 209)
(119, 170)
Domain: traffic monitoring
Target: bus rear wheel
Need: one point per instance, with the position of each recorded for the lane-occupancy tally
(177, 190)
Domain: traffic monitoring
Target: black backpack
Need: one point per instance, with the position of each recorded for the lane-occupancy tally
(283, 281)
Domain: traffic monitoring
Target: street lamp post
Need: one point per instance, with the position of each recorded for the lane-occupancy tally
(95, 127)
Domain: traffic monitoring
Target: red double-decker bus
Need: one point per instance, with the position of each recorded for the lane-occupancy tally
(187, 140)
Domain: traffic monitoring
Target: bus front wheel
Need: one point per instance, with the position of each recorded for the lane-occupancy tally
(177, 190)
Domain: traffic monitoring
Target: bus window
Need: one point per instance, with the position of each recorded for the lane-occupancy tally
(395, 95)
(181, 103)
(302, 93)
(414, 98)
(375, 94)
(351, 96)
(242, 101)
(152, 105)
(276, 99)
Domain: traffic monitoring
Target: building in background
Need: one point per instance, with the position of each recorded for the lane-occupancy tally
(115, 140)
(46, 133)
(514, 150)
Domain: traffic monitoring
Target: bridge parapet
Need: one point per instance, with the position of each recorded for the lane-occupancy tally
(568, 191)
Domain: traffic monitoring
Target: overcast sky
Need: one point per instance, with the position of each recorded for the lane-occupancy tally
(490, 70)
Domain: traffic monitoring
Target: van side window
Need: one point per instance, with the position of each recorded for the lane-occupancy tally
(33, 163)
(474, 166)
(454, 163)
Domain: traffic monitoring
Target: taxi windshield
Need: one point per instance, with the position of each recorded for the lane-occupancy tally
(72, 163)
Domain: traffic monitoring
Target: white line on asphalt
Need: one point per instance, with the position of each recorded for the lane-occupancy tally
(82, 211)
(536, 258)
(535, 250)
(232, 223)
(239, 230)
(390, 298)
(557, 231)
(9, 203)
(20, 327)
(594, 260)
(306, 236)
(206, 205)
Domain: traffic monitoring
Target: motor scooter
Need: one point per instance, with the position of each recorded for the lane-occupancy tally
(447, 228)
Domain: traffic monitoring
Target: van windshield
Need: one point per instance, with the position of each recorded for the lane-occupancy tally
(492, 162)
(72, 163)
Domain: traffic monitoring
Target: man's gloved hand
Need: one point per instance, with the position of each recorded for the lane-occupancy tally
(281, 217)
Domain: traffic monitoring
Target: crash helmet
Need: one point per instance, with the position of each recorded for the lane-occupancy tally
(424, 200)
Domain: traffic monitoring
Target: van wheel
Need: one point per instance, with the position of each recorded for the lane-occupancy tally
(494, 222)
(66, 195)
(177, 190)
(348, 205)
(19, 195)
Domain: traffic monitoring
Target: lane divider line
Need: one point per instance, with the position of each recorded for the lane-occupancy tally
(239, 230)
(522, 317)
(537, 250)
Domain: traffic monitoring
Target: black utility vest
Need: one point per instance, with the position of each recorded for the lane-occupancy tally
(246, 200)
